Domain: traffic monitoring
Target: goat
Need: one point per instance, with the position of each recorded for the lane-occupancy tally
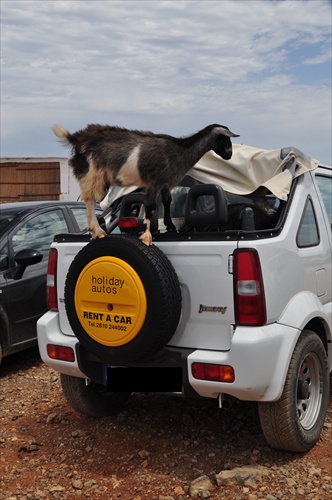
(104, 156)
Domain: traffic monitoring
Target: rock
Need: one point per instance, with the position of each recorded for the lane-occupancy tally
(143, 453)
(241, 474)
(201, 487)
(55, 489)
(315, 471)
(54, 418)
(40, 494)
(290, 482)
(179, 490)
(77, 484)
(115, 483)
(78, 433)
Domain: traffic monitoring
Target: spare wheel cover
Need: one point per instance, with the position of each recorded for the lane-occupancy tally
(123, 299)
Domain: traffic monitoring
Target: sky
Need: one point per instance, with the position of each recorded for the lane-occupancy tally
(260, 67)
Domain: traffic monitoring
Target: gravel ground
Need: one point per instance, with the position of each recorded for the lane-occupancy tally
(158, 448)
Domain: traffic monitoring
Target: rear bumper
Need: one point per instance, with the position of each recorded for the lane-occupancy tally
(260, 358)
(48, 332)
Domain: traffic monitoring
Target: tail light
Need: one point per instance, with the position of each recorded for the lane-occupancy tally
(249, 295)
(128, 223)
(63, 353)
(216, 373)
(52, 296)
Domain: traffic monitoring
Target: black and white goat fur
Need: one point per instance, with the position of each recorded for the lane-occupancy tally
(104, 156)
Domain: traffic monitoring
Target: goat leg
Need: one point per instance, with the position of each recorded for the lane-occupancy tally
(146, 236)
(94, 227)
(92, 187)
(166, 199)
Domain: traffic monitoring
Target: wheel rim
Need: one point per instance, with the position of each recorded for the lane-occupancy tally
(309, 391)
(110, 301)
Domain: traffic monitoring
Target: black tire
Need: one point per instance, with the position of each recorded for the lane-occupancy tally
(160, 285)
(295, 421)
(92, 400)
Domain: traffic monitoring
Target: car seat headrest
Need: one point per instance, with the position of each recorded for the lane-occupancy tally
(206, 206)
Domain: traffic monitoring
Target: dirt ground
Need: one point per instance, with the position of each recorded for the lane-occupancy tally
(158, 448)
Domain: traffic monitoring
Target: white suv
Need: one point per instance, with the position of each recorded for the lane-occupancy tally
(235, 305)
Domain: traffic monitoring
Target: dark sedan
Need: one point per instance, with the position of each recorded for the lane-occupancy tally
(26, 232)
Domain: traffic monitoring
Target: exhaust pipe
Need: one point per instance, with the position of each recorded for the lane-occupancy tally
(225, 401)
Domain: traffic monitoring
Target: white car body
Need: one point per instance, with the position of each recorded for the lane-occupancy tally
(235, 305)
(298, 291)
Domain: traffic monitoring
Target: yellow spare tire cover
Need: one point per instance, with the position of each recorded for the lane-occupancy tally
(110, 301)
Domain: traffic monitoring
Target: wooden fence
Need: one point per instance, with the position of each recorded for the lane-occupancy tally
(29, 181)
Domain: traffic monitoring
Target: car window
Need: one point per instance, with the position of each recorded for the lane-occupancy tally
(6, 216)
(308, 234)
(38, 232)
(4, 257)
(325, 188)
(80, 216)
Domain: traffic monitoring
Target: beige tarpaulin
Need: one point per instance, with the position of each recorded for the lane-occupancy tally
(249, 168)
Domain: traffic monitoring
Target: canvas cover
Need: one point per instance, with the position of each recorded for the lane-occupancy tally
(247, 170)
(250, 168)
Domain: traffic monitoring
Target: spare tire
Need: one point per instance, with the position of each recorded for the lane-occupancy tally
(123, 299)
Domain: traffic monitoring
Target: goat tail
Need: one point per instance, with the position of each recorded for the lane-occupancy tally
(62, 134)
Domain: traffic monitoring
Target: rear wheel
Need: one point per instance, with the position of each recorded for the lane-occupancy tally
(295, 421)
(92, 399)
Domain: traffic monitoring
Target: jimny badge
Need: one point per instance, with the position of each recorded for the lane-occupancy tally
(218, 309)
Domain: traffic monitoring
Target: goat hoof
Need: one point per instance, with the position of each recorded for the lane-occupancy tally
(96, 235)
(146, 238)
(146, 242)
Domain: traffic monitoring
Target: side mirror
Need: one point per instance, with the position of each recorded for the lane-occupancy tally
(24, 258)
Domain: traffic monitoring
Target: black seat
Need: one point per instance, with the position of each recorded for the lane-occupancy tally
(206, 206)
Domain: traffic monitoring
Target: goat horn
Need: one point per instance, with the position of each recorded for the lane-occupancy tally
(227, 132)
